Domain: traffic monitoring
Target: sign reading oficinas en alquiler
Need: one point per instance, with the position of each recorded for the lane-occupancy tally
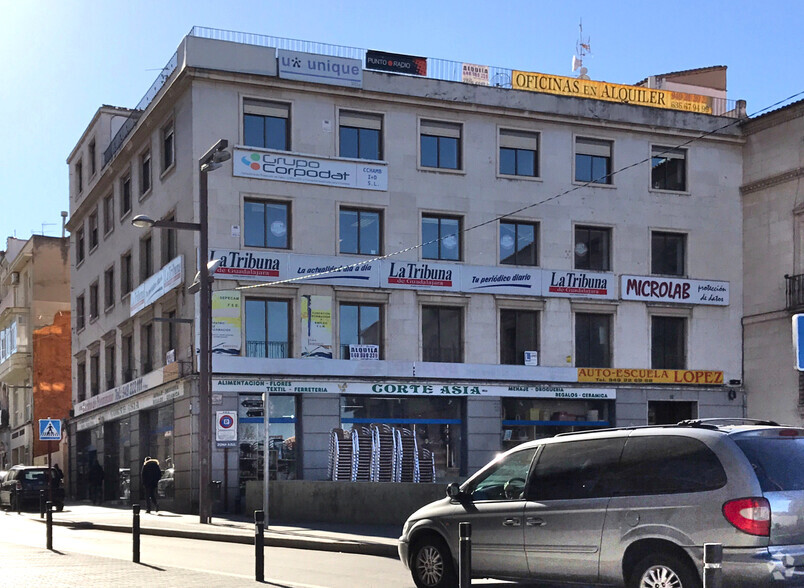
(578, 88)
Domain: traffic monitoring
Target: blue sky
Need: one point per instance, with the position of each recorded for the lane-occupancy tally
(63, 59)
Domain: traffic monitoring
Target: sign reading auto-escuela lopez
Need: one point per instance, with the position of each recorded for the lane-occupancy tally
(321, 69)
(650, 376)
(648, 288)
(284, 167)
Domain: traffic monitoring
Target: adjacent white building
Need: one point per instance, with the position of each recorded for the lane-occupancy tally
(520, 263)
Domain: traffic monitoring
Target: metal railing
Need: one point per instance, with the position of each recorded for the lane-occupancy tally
(270, 349)
(794, 292)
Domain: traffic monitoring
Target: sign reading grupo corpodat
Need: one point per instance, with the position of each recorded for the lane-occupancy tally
(285, 167)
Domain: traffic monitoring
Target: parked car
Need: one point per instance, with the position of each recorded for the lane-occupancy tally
(626, 507)
(23, 483)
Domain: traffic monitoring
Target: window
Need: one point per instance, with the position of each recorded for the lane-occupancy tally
(127, 357)
(168, 333)
(147, 348)
(169, 250)
(125, 273)
(79, 176)
(359, 325)
(667, 464)
(93, 166)
(81, 381)
(266, 124)
(80, 310)
(592, 340)
(667, 253)
(360, 231)
(109, 360)
(266, 224)
(518, 244)
(592, 248)
(505, 480)
(592, 161)
(145, 172)
(668, 169)
(360, 135)
(267, 328)
(125, 195)
(440, 144)
(79, 246)
(576, 470)
(108, 214)
(146, 258)
(442, 334)
(518, 151)
(93, 229)
(94, 374)
(108, 288)
(519, 332)
(168, 147)
(668, 342)
(93, 301)
(441, 238)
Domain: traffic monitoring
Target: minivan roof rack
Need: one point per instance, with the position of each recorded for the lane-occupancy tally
(716, 422)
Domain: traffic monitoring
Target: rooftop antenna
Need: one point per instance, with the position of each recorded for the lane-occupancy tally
(582, 48)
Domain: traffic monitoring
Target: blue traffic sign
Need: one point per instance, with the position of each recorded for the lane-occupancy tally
(49, 430)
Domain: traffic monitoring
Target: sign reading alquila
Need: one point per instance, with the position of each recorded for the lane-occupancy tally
(564, 86)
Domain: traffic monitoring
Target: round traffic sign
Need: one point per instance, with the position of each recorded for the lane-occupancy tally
(226, 421)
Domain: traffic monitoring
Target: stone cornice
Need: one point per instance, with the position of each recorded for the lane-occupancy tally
(771, 181)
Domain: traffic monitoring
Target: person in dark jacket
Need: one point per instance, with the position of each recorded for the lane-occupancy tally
(96, 475)
(150, 475)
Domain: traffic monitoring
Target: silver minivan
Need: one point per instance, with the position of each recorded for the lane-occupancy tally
(626, 507)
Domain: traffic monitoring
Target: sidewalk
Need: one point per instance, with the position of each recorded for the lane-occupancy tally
(379, 540)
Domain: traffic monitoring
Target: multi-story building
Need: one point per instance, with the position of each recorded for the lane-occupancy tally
(521, 261)
(34, 369)
(773, 250)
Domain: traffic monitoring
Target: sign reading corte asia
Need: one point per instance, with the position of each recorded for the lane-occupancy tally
(649, 376)
(674, 290)
(578, 88)
(285, 167)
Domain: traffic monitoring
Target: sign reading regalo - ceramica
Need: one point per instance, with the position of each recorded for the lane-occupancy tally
(286, 167)
(321, 69)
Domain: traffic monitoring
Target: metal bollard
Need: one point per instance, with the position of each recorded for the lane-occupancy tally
(17, 499)
(135, 530)
(259, 543)
(465, 555)
(49, 507)
(41, 504)
(713, 565)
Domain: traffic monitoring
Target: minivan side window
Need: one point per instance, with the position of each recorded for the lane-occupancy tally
(575, 469)
(668, 465)
(505, 479)
(771, 459)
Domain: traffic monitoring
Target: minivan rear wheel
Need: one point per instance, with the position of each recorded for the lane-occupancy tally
(663, 570)
(431, 564)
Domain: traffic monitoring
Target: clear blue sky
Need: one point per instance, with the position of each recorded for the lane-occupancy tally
(63, 59)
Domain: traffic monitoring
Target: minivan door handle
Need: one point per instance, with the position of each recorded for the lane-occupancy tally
(512, 522)
(535, 522)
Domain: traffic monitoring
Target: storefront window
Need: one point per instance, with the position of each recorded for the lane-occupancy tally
(526, 419)
(281, 434)
(429, 429)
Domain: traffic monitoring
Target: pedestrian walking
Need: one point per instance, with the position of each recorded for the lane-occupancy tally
(96, 475)
(150, 475)
(56, 477)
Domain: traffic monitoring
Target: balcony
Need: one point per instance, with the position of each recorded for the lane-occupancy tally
(794, 292)
(270, 349)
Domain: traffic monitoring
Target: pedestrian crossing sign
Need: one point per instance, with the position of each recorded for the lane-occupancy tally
(49, 430)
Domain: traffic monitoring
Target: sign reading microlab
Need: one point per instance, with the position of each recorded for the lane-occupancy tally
(284, 167)
(578, 88)
(674, 290)
(321, 69)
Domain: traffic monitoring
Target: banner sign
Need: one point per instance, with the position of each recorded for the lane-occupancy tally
(410, 389)
(131, 406)
(499, 280)
(316, 319)
(226, 322)
(266, 266)
(578, 88)
(282, 167)
(336, 271)
(674, 290)
(395, 63)
(127, 390)
(320, 69)
(648, 376)
(578, 283)
(475, 74)
(152, 289)
(420, 275)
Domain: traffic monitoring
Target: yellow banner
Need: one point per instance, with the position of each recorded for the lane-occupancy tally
(563, 86)
(645, 376)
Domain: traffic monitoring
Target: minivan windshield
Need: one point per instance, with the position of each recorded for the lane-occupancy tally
(777, 461)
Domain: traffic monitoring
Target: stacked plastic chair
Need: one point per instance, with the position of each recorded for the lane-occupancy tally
(383, 463)
(426, 466)
(362, 454)
(407, 456)
(340, 455)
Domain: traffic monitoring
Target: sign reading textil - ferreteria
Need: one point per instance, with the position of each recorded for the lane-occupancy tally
(674, 290)
(396, 63)
(275, 386)
(321, 69)
(285, 167)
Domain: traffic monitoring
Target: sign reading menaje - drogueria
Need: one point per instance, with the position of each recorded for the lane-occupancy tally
(564, 86)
